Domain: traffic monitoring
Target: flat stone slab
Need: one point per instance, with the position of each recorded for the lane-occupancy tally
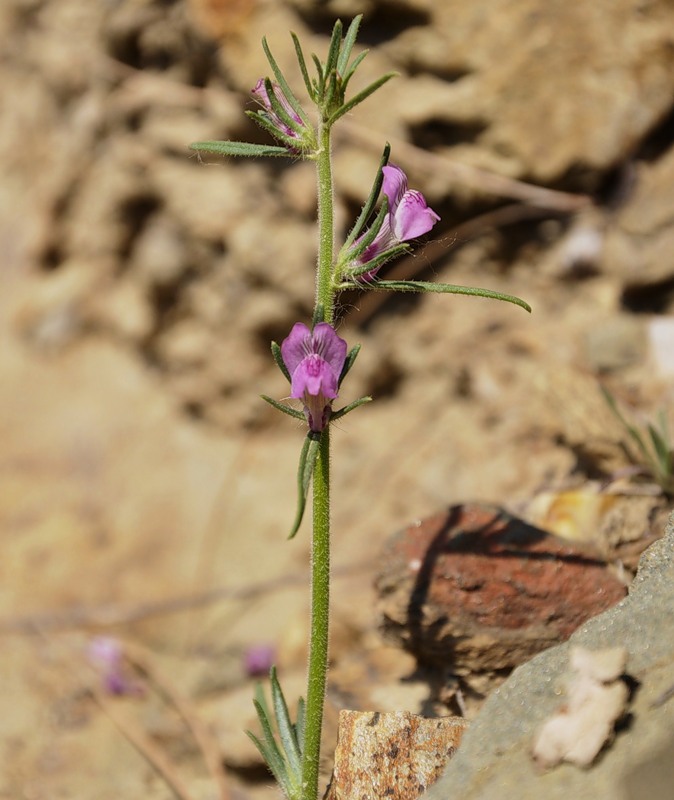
(494, 761)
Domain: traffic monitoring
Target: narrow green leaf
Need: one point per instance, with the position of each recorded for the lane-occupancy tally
(278, 358)
(446, 288)
(241, 149)
(305, 470)
(350, 360)
(352, 69)
(333, 51)
(363, 95)
(283, 83)
(342, 412)
(373, 265)
(275, 766)
(347, 45)
(300, 723)
(662, 455)
(279, 110)
(659, 444)
(291, 144)
(261, 701)
(371, 234)
(329, 93)
(631, 429)
(320, 85)
(269, 748)
(303, 66)
(371, 201)
(285, 727)
(291, 412)
(319, 315)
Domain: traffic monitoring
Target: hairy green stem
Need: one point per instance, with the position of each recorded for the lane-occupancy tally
(320, 616)
(325, 293)
(320, 545)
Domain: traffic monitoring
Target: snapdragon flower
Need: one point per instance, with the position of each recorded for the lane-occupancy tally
(315, 360)
(408, 217)
(287, 126)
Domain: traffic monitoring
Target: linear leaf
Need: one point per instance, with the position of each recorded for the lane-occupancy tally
(291, 412)
(285, 727)
(350, 360)
(283, 83)
(362, 95)
(280, 111)
(292, 144)
(305, 470)
(373, 266)
(333, 51)
(278, 358)
(303, 66)
(370, 235)
(241, 149)
(347, 45)
(268, 747)
(371, 201)
(446, 288)
(320, 84)
(352, 69)
(300, 723)
(342, 412)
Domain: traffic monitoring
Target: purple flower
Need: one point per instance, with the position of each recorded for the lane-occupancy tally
(315, 361)
(408, 216)
(260, 92)
(258, 659)
(107, 655)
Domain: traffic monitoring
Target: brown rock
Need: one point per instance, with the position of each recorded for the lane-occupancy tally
(397, 755)
(478, 590)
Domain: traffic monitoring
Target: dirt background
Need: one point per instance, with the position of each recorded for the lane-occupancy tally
(146, 491)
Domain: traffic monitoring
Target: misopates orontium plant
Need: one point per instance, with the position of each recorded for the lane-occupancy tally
(314, 358)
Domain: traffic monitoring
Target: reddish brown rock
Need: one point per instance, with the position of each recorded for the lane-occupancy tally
(475, 589)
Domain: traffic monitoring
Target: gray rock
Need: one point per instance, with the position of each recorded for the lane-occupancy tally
(494, 758)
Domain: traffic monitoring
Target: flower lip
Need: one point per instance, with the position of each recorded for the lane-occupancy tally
(408, 217)
(315, 360)
(409, 214)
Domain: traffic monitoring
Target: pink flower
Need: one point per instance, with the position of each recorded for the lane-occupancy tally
(258, 659)
(106, 655)
(408, 216)
(260, 92)
(315, 360)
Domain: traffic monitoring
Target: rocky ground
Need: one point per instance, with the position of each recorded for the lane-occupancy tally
(146, 490)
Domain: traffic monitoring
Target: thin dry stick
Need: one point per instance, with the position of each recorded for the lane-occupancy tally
(115, 615)
(142, 660)
(143, 743)
(432, 163)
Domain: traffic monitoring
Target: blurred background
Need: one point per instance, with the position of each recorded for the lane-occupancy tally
(145, 490)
